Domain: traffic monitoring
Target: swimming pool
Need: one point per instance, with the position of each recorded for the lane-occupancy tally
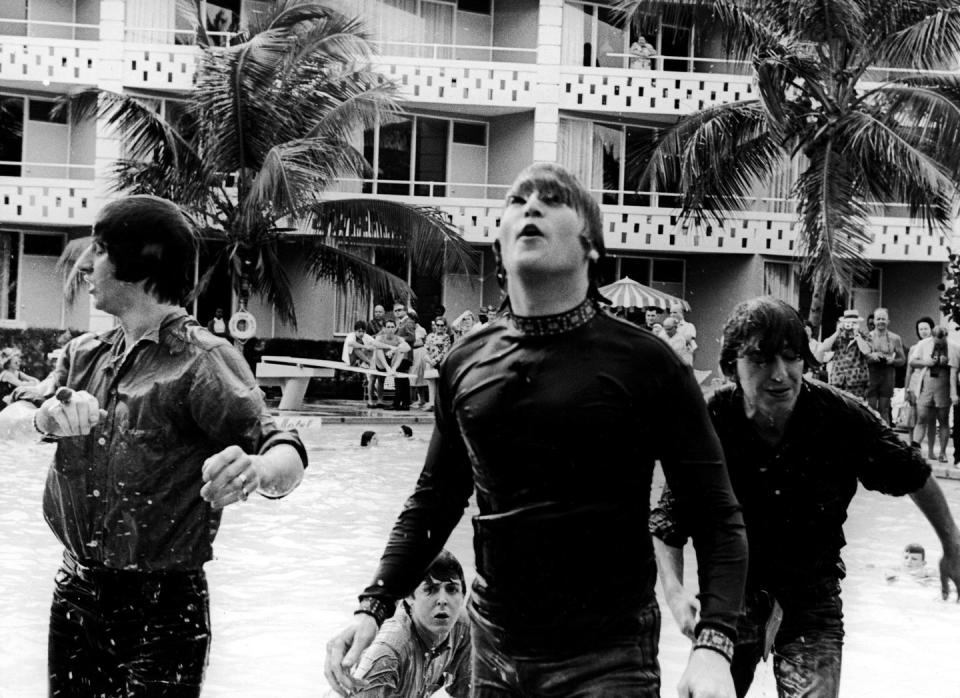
(286, 574)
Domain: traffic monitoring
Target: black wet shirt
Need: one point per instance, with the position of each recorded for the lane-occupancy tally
(556, 422)
(795, 495)
(127, 495)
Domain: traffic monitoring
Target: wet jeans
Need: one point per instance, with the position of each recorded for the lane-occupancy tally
(120, 634)
(807, 650)
(622, 665)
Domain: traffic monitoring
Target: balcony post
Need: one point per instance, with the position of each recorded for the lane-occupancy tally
(546, 114)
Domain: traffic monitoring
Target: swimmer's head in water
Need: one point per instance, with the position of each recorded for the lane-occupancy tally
(914, 556)
(368, 438)
(406, 431)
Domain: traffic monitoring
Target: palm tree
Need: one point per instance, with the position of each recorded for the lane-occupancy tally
(248, 154)
(858, 142)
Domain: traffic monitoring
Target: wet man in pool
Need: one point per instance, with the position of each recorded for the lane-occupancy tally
(159, 426)
(796, 450)
(555, 413)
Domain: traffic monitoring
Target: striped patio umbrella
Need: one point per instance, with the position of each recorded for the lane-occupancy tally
(627, 293)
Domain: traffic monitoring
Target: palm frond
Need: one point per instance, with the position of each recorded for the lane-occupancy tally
(833, 218)
(431, 241)
(272, 282)
(66, 267)
(931, 42)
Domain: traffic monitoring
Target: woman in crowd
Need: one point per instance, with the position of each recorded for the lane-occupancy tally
(418, 384)
(929, 386)
(464, 323)
(437, 344)
(11, 377)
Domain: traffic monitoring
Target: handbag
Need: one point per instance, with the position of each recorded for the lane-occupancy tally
(907, 416)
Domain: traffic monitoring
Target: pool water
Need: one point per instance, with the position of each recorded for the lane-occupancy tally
(287, 572)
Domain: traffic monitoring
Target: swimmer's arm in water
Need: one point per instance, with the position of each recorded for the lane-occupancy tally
(930, 500)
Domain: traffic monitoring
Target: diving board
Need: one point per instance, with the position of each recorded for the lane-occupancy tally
(293, 375)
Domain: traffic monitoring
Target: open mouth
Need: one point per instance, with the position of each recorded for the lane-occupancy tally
(442, 617)
(530, 230)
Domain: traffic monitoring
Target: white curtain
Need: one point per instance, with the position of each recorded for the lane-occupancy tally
(575, 148)
(147, 20)
(437, 28)
(781, 280)
(572, 34)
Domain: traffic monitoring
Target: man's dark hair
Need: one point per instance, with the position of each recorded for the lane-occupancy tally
(915, 548)
(360, 325)
(445, 567)
(148, 238)
(769, 324)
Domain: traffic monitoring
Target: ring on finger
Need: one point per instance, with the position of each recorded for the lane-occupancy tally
(242, 478)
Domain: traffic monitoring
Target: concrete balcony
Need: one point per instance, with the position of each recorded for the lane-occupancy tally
(768, 229)
(47, 201)
(632, 91)
(51, 60)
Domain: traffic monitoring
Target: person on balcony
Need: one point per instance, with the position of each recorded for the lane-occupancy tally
(542, 413)
(159, 426)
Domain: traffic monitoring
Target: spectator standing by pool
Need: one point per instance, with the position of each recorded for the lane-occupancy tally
(418, 384)
(796, 451)
(849, 346)
(437, 344)
(464, 324)
(932, 387)
(681, 343)
(166, 427)
(886, 354)
(218, 325)
(543, 413)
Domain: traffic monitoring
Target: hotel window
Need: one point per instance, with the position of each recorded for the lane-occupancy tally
(9, 274)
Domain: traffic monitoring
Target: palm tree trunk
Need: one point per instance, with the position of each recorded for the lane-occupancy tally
(816, 299)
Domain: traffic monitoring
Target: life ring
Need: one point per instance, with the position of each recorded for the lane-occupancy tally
(242, 325)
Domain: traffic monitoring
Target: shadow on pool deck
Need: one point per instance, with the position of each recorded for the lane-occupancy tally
(353, 411)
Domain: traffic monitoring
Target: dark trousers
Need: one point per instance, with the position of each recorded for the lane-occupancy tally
(807, 651)
(401, 387)
(120, 634)
(621, 665)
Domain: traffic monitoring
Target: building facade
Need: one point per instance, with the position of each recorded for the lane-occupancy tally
(488, 86)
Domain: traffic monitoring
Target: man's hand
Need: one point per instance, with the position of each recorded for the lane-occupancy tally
(229, 476)
(343, 653)
(707, 676)
(950, 569)
(68, 413)
(685, 609)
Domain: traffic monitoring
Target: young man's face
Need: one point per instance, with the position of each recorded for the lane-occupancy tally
(770, 382)
(435, 607)
(359, 332)
(399, 312)
(540, 235)
(100, 274)
(390, 328)
(651, 317)
(913, 561)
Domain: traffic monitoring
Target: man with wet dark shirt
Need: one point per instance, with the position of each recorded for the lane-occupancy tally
(159, 425)
(796, 450)
(550, 413)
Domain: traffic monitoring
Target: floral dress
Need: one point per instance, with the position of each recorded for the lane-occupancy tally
(437, 345)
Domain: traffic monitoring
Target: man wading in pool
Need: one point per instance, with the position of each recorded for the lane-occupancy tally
(796, 450)
(555, 413)
(166, 427)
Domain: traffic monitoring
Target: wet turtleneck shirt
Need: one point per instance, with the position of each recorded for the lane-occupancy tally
(556, 423)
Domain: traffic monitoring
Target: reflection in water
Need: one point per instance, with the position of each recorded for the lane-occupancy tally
(286, 574)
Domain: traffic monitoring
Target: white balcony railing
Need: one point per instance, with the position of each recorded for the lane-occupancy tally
(457, 52)
(46, 201)
(649, 91)
(49, 52)
(768, 228)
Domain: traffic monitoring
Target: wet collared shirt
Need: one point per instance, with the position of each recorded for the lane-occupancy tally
(399, 664)
(127, 495)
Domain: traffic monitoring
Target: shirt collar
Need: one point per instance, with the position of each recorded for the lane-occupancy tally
(561, 323)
